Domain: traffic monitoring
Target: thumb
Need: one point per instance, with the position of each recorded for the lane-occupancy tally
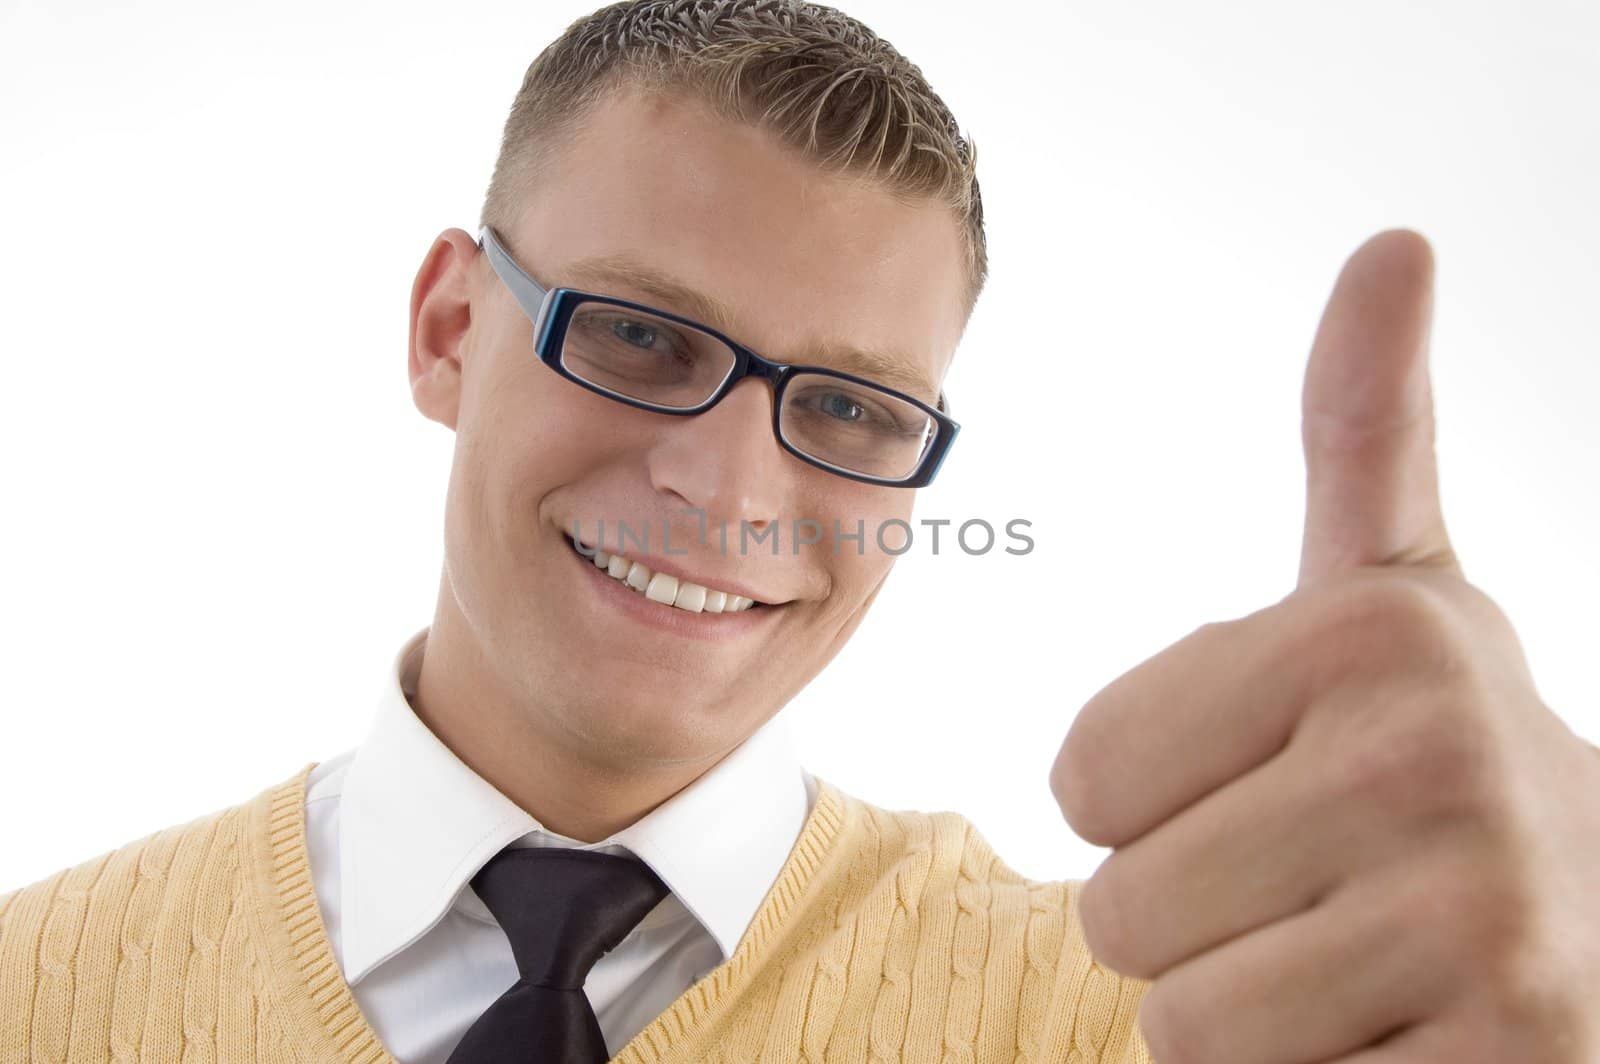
(1372, 482)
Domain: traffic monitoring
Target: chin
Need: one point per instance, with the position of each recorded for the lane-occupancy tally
(640, 727)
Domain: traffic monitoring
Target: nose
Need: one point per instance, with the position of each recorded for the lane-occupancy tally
(725, 461)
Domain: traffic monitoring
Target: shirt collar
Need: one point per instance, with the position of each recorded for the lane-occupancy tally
(416, 824)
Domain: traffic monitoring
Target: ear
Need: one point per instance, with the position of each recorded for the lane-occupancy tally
(441, 311)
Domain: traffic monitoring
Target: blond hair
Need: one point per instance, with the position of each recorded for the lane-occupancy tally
(821, 81)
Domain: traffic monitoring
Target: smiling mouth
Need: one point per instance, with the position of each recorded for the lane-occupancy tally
(664, 588)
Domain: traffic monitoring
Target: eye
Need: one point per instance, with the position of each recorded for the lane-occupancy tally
(841, 406)
(846, 408)
(633, 333)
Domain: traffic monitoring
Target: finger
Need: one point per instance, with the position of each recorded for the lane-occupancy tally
(1372, 490)
(1205, 710)
(1238, 860)
(1321, 983)
(1458, 1036)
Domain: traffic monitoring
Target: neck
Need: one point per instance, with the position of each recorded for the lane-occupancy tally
(521, 747)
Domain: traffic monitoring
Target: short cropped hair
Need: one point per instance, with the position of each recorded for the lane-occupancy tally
(821, 81)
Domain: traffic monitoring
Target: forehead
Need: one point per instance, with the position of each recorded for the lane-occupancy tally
(659, 200)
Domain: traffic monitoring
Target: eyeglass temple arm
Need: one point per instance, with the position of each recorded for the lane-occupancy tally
(527, 291)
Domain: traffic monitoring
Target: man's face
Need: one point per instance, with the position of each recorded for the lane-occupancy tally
(805, 264)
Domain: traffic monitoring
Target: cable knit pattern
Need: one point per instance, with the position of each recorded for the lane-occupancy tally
(888, 936)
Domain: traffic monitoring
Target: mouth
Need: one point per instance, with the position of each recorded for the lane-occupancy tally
(664, 589)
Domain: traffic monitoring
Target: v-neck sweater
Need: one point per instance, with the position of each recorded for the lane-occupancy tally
(888, 934)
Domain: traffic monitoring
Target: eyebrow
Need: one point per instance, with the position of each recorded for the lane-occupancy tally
(883, 367)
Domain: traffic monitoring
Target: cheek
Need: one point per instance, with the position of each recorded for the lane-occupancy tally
(858, 569)
(507, 457)
(526, 432)
(857, 578)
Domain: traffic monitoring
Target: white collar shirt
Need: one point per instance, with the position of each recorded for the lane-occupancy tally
(397, 827)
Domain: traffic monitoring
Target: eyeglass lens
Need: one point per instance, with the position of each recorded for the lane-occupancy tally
(653, 360)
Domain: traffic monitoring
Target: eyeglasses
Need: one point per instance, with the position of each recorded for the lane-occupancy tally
(656, 360)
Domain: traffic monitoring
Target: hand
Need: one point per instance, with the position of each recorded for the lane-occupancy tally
(1345, 828)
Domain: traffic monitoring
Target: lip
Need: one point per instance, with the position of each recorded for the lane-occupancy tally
(657, 564)
(705, 626)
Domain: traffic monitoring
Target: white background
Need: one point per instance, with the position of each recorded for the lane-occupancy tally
(223, 512)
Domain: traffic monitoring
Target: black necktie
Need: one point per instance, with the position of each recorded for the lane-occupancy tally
(562, 909)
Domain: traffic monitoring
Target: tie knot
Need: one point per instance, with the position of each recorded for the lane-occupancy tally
(563, 909)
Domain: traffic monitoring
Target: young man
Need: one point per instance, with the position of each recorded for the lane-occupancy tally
(576, 831)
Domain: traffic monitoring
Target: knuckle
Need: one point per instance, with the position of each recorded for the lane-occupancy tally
(1415, 748)
(1062, 785)
(1395, 619)
(1098, 934)
(1402, 608)
(1456, 763)
(1071, 791)
(1420, 762)
(1492, 927)
(1526, 994)
(1520, 957)
(1103, 915)
(1386, 769)
(1466, 775)
(1471, 913)
(1075, 784)
(1171, 1030)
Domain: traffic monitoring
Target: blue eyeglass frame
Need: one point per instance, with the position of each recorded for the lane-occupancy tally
(550, 310)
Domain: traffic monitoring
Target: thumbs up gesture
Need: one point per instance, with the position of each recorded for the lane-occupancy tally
(1344, 827)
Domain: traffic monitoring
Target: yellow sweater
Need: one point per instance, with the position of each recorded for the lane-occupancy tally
(888, 935)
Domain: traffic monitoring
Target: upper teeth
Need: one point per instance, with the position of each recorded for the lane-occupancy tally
(667, 589)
